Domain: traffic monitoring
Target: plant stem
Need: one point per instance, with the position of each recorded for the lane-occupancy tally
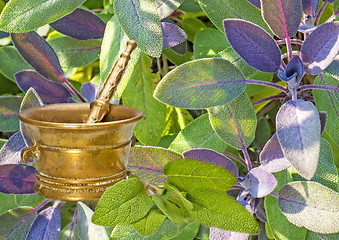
(285, 54)
(283, 64)
(73, 223)
(274, 194)
(74, 91)
(247, 158)
(319, 13)
(320, 87)
(289, 48)
(268, 99)
(267, 84)
(333, 17)
(295, 41)
(227, 154)
(266, 109)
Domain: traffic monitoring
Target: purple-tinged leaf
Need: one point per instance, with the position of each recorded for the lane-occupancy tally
(208, 155)
(306, 29)
(310, 7)
(80, 24)
(9, 109)
(17, 179)
(255, 3)
(311, 205)
(294, 72)
(320, 48)
(259, 182)
(272, 158)
(172, 35)
(10, 153)
(50, 92)
(149, 162)
(39, 54)
(46, 226)
(218, 234)
(298, 131)
(89, 91)
(282, 16)
(253, 44)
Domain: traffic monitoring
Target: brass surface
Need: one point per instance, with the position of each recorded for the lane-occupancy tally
(76, 160)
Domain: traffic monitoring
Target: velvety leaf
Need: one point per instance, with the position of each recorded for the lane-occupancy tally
(235, 122)
(46, 226)
(10, 201)
(304, 202)
(39, 54)
(11, 62)
(218, 10)
(10, 153)
(23, 16)
(253, 44)
(138, 94)
(169, 209)
(89, 91)
(320, 48)
(150, 223)
(208, 42)
(86, 229)
(50, 92)
(310, 7)
(319, 236)
(198, 134)
(208, 155)
(272, 158)
(124, 203)
(255, 3)
(218, 234)
(167, 7)
(183, 86)
(80, 24)
(75, 53)
(9, 109)
(262, 133)
(187, 174)
(16, 223)
(282, 16)
(215, 209)
(172, 35)
(294, 72)
(17, 179)
(333, 68)
(192, 25)
(149, 162)
(140, 21)
(328, 102)
(277, 222)
(167, 230)
(178, 195)
(298, 131)
(330, 1)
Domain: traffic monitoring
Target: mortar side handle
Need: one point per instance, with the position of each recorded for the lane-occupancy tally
(29, 152)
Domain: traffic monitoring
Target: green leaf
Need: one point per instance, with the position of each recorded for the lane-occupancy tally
(278, 223)
(328, 102)
(9, 109)
(218, 10)
(311, 205)
(20, 16)
(12, 225)
(124, 203)
(11, 62)
(150, 223)
(176, 58)
(10, 201)
(235, 122)
(215, 209)
(187, 174)
(2, 142)
(175, 193)
(198, 134)
(140, 21)
(318, 236)
(192, 26)
(262, 133)
(86, 229)
(192, 84)
(138, 94)
(169, 209)
(208, 43)
(167, 7)
(75, 53)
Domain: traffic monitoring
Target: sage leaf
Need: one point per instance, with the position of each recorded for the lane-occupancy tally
(253, 44)
(150, 223)
(9, 109)
(10, 152)
(10, 201)
(89, 91)
(169, 209)
(260, 182)
(124, 203)
(167, 7)
(23, 16)
(172, 35)
(217, 234)
(16, 223)
(140, 21)
(198, 134)
(298, 131)
(177, 194)
(215, 209)
(149, 162)
(282, 16)
(235, 122)
(255, 3)
(305, 202)
(183, 86)
(187, 174)
(318, 236)
(320, 48)
(310, 7)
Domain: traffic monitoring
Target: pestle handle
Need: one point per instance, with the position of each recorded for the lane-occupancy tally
(100, 107)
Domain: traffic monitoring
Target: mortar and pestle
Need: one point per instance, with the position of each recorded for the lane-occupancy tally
(81, 149)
